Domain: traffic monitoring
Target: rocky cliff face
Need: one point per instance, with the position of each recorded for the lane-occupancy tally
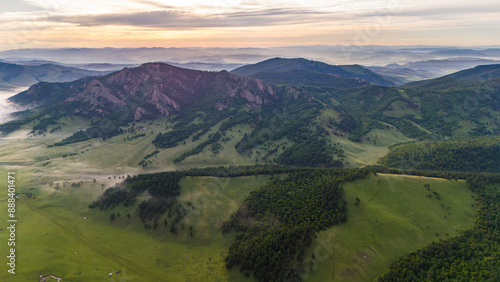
(155, 89)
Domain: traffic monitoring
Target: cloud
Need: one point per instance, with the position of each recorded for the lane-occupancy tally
(175, 19)
(438, 11)
(155, 4)
(179, 19)
(249, 22)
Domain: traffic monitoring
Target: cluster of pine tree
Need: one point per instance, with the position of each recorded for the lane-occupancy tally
(164, 187)
(310, 153)
(276, 223)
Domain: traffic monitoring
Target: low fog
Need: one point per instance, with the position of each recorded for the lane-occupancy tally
(6, 107)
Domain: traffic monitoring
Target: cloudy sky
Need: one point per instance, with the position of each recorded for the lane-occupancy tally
(246, 23)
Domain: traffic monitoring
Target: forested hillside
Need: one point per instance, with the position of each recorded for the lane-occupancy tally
(481, 154)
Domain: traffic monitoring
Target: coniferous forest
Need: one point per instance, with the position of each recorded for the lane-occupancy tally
(276, 223)
(480, 154)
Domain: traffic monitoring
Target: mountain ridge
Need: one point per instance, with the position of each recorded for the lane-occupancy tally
(150, 90)
(330, 73)
(16, 75)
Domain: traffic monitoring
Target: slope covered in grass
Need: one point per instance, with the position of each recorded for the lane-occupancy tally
(394, 217)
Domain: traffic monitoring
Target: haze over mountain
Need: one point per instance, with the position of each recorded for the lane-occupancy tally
(425, 58)
(15, 76)
(415, 71)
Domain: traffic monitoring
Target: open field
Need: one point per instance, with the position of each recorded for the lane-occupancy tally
(393, 217)
(54, 238)
(373, 146)
(115, 156)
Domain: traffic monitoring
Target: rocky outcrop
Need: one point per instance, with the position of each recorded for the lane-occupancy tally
(139, 113)
(97, 95)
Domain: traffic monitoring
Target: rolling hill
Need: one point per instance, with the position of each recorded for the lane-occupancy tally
(479, 154)
(463, 103)
(14, 75)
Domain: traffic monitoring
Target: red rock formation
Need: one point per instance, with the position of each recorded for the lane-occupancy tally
(157, 89)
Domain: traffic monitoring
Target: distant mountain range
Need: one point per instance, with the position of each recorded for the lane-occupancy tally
(398, 64)
(14, 75)
(338, 55)
(420, 70)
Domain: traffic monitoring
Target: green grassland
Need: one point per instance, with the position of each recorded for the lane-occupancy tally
(372, 147)
(57, 234)
(115, 156)
(393, 217)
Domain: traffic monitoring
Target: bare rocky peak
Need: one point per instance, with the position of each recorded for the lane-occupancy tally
(156, 89)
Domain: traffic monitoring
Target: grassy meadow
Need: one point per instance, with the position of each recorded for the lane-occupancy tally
(394, 217)
(58, 234)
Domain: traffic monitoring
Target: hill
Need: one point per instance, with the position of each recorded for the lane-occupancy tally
(479, 73)
(15, 75)
(403, 75)
(463, 103)
(60, 214)
(306, 72)
(480, 154)
(393, 216)
(149, 91)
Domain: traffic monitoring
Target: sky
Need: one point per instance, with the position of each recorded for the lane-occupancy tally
(246, 23)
